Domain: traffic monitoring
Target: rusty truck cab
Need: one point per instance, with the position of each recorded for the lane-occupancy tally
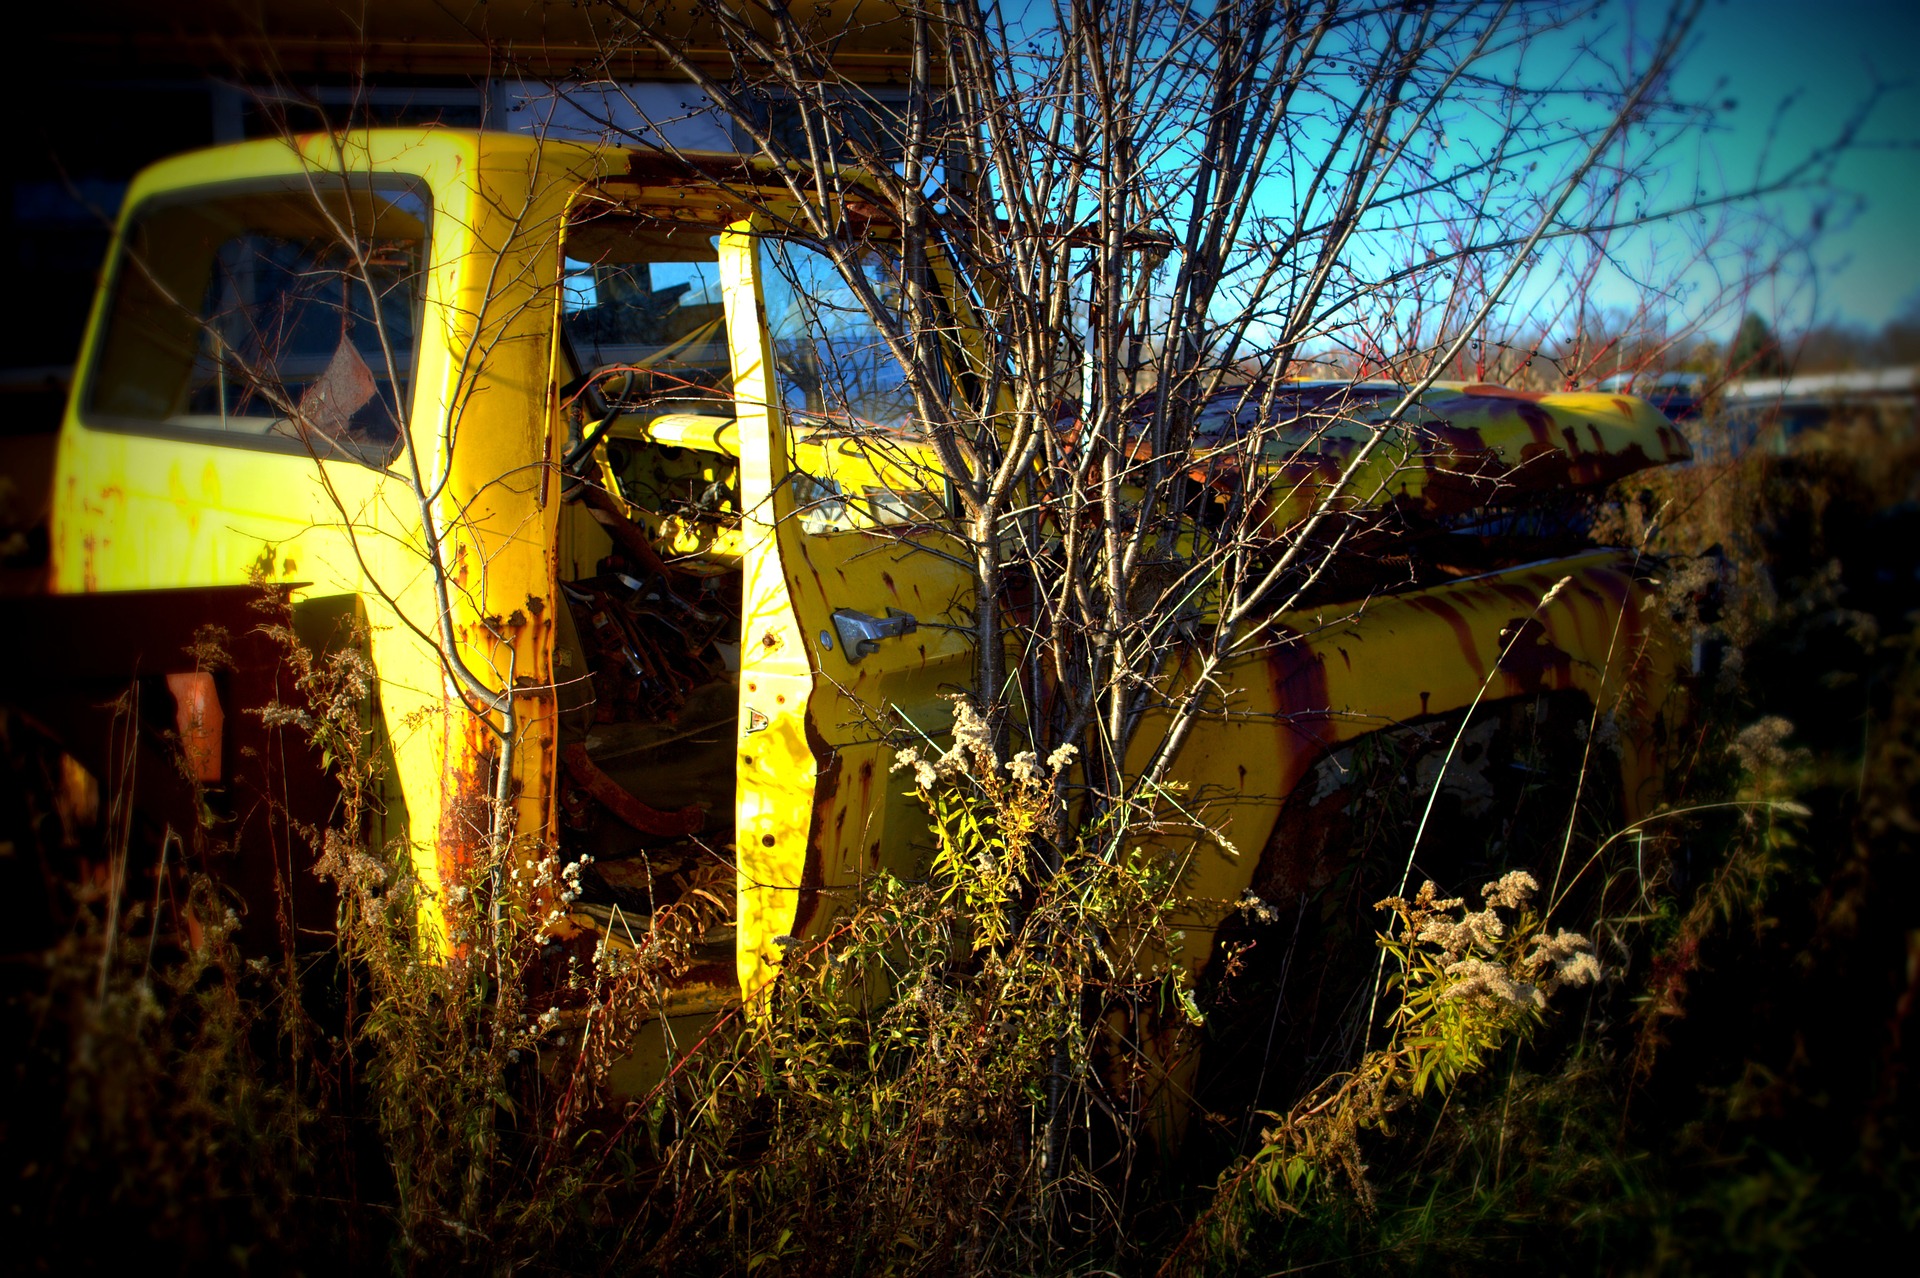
(649, 554)
(514, 405)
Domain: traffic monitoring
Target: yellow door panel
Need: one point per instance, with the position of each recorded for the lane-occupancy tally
(856, 630)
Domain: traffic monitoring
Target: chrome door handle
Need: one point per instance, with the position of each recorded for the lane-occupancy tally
(860, 635)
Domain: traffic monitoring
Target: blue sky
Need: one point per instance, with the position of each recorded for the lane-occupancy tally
(1781, 80)
(1821, 58)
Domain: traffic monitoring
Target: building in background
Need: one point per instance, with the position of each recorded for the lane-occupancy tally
(1769, 411)
(116, 84)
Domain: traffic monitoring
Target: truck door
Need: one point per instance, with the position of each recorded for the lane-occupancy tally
(855, 595)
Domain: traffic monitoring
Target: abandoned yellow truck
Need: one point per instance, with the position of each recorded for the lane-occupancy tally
(551, 421)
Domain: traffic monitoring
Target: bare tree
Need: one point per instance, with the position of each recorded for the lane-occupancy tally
(1143, 202)
(1080, 252)
(1095, 243)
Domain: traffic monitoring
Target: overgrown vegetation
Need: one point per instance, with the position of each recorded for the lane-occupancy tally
(1689, 1054)
(996, 1060)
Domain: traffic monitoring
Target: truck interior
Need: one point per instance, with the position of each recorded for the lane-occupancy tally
(647, 654)
(651, 542)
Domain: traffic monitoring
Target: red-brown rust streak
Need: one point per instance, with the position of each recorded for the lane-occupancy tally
(1530, 660)
(1301, 700)
(1462, 631)
(826, 795)
(200, 722)
(465, 799)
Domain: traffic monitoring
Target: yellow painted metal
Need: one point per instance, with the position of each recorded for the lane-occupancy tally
(1456, 446)
(776, 781)
(1310, 682)
(816, 806)
(136, 511)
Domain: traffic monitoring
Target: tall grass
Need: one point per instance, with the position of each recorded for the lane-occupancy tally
(1704, 1068)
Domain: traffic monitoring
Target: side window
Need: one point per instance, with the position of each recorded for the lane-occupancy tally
(832, 360)
(860, 454)
(282, 316)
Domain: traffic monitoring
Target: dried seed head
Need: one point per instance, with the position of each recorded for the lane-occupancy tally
(1511, 890)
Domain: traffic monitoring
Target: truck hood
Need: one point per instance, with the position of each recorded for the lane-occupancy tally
(1457, 447)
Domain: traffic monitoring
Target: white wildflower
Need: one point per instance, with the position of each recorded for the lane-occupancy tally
(1582, 969)
(1511, 890)
(969, 729)
(1759, 747)
(1478, 930)
(1556, 948)
(1421, 911)
(1448, 934)
(972, 742)
(925, 775)
(1062, 757)
(276, 715)
(1025, 767)
(1255, 908)
(1569, 954)
(1485, 982)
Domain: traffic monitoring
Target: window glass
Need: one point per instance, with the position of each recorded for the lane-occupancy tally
(281, 317)
(831, 359)
(860, 457)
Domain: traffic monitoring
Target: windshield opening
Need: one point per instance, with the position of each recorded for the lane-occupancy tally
(279, 317)
(641, 304)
